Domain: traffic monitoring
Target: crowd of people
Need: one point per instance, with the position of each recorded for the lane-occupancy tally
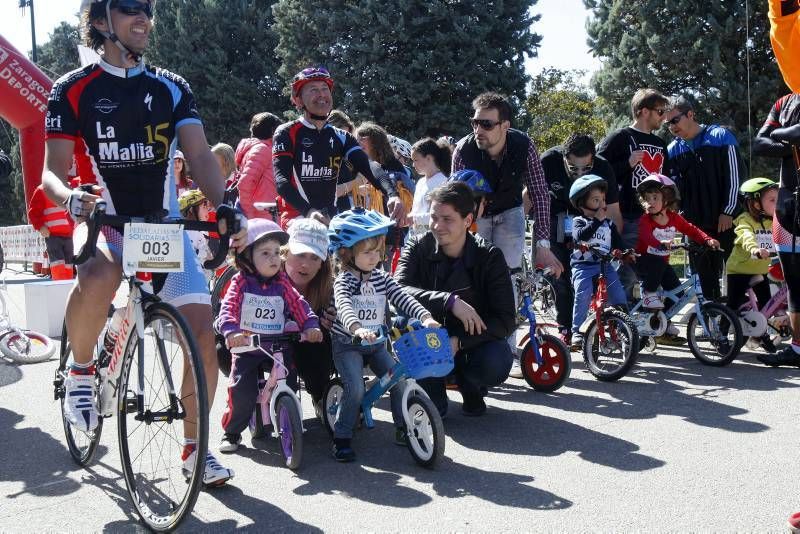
(434, 227)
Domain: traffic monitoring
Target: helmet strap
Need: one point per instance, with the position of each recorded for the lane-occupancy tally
(352, 264)
(313, 116)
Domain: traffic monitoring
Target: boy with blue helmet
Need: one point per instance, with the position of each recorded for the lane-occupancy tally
(361, 291)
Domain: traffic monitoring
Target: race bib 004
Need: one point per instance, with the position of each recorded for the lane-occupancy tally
(369, 309)
(262, 314)
(154, 248)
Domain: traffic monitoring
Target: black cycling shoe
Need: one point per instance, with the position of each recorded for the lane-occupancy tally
(787, 356)
(342, 451)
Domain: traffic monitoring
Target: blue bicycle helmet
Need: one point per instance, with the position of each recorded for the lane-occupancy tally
(474, 179)
(357, 224)
(582, 185)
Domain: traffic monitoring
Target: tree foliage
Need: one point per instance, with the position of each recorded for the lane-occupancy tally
(225, 49)
(12, 196)
(412, 66)
(558, 105)
(59, 54)
(693, 46)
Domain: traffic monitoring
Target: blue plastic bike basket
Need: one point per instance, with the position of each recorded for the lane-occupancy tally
(425, 352)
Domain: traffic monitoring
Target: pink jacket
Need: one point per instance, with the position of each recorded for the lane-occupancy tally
(256, 178)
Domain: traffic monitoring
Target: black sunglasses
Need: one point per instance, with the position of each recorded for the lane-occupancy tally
(133, 7)
(660, 111)
(484, 124)
(577, 169)
(676, 119)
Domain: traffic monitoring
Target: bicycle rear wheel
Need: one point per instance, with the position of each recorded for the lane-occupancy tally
(611, 358)
(719, 344)
(81, 445)
(163, 487)
(290, 429)
(27, 346)
(425, 436)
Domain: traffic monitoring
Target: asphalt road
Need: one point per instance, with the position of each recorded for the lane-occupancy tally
(675, 446)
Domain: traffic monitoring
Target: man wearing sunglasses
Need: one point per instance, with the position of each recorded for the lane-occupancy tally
(562, 166)
(122, 121)
(706, 164)
(635, 153)
(509, 160)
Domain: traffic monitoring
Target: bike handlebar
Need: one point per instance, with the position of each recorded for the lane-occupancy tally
(256, 341)
(226, 220)
(695, 248)
(595, 249)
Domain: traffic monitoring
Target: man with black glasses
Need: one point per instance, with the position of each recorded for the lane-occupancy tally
(705, 164)
(509, 160)
(563, 165)
(634, 153)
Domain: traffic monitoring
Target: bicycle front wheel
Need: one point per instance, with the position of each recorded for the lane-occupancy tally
(162, 398)
(611, 356)
(555, 368)
(290, 428)
(82, 445)
(27, 346)
(425, 436)
(718, 342)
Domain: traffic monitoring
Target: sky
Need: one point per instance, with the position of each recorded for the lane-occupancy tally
(562, 26)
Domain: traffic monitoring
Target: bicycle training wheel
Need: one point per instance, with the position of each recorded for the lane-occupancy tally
(81, 445)
(556, 364)
(719, 344)
(163, 487)
(425, 436)
(611, 358)
(331, 401)
(27, 346)
(290, 428)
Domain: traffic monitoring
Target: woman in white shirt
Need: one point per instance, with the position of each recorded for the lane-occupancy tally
(431, 160)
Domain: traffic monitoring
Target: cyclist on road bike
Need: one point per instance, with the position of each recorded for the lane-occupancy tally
(122, 120)
(308, 153)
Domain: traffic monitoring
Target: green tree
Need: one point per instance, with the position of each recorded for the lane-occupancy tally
(225, 49)
(12, 195)
(412, 66)
(59, 54)
(558, 105)
(692, 46)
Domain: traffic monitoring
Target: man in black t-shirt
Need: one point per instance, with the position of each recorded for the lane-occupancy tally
(563, 165)
(635, 153)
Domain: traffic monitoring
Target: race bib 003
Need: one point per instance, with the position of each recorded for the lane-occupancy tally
(154, 248)
(369, 309)
(262, 314)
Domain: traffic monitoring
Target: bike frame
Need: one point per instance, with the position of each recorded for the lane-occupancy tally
(383, 384)
(775, 304)
(276, 384)
(681, 295)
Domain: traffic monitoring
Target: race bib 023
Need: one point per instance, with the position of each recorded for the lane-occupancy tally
(262, 314)
(154, 248)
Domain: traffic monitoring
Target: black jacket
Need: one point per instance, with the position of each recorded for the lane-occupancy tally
(483, 282)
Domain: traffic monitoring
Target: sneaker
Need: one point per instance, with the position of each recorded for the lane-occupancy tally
(214, 474)
(672, 330)
(565, 336)
(787, 356)
(230, 443)
(516, 370)
(670, 340)
(766, 343)
(342, 451)
(473, 406)
(79, 408)
(576, 344)
(400, 436)
(652, 301)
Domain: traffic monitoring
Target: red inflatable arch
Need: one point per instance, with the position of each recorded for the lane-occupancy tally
(23, 103)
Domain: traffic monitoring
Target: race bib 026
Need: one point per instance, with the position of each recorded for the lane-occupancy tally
(154, 248)
(262, 314)
(369, 309)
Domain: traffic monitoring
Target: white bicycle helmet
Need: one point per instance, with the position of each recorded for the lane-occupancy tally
(401, 147)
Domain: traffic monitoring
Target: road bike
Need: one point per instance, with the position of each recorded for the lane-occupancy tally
(150, 375)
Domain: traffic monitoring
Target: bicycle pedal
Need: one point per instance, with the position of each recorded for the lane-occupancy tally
(130, 402)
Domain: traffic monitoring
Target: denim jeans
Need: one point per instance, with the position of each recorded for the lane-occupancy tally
(349, 360)
(583, 274)
(506, 231)
(627, 274)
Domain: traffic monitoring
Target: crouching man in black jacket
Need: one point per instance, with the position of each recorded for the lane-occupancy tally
(464, 282)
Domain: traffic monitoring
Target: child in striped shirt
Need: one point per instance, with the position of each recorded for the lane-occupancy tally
(361, 291)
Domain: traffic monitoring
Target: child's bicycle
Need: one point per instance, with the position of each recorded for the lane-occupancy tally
(152, 379)
(772, 319)
(544, 359)
(611, 339)
(16, 344)
(422, 353)
(713, 331)
(277, 404)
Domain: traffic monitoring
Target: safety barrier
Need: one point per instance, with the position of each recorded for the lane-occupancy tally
(22, 244)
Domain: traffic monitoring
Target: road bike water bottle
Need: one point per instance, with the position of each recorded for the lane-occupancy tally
(122, 321)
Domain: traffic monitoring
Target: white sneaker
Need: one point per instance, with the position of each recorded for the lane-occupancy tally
(79, 407)
(652, 301)
(516, 370)
(229, 444)
(671, 330)
(214, 475)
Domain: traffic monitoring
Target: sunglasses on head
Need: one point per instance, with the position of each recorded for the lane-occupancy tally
(133, 7)
(484, 124)
(676, 119)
